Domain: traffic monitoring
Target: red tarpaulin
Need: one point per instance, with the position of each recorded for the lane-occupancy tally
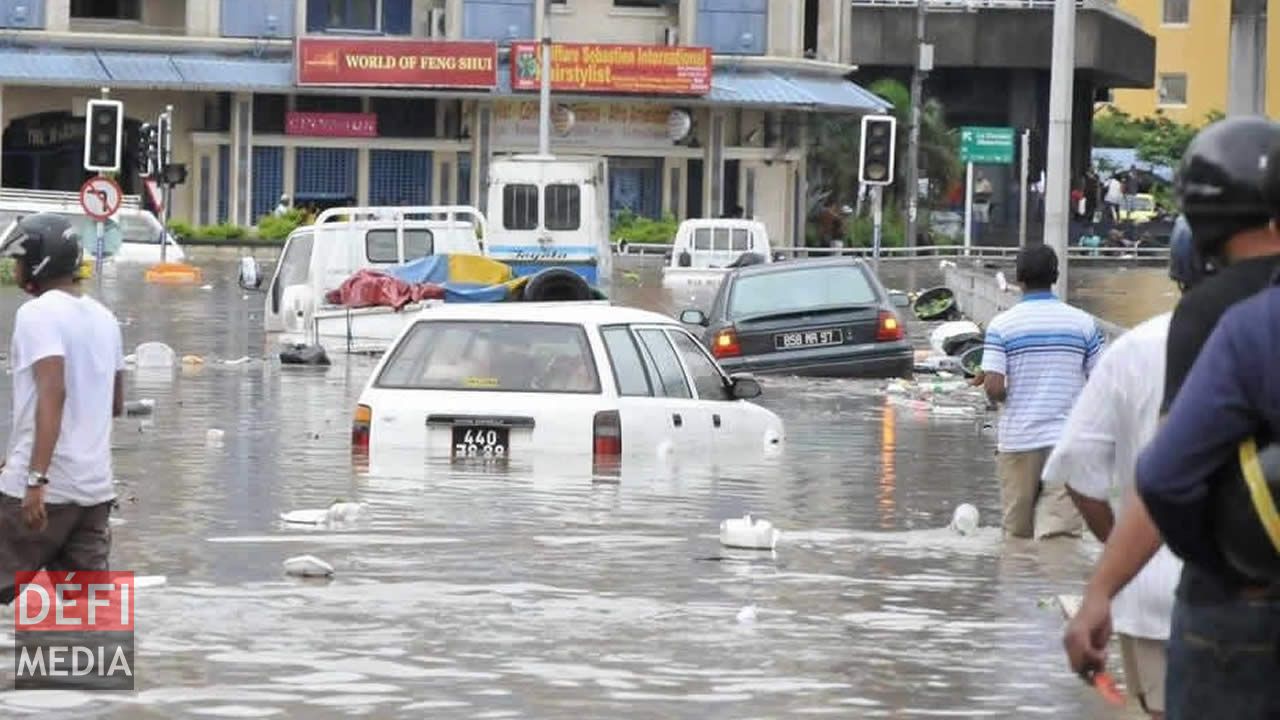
(369, 288)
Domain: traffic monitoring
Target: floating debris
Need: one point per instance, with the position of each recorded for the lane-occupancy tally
(307, 566)
(748, 533)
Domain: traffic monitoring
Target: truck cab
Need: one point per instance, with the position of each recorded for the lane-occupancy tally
(705, 249)
(551, 211)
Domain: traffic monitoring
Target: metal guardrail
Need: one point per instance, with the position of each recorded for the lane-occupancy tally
(930, 251)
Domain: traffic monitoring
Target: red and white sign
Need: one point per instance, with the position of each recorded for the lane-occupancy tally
(331, 124)
(74, 601)
(100, 197)
(154, 194)
(397, 63)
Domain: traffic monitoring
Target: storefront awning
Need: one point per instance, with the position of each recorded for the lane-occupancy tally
(757, 88)
(116, 69)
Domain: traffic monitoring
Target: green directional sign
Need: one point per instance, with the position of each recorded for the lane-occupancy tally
(986, 145)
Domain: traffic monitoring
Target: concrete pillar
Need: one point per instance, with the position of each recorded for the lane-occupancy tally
(452, 18)
(57, 15)
(241, 201)
(688, 19)
(362, 176)
(4, 125)
(1247, 71)
(289, 181)
(713, 166)
(481, 147)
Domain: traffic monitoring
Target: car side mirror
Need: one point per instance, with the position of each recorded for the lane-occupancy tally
(694, 317)
(250, 273)
(744, 387)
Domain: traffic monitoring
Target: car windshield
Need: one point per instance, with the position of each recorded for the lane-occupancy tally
(1143, 204)
(493, 356)
(799, 289)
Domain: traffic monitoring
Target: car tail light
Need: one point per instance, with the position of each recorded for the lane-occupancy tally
(890, 328)
(726, 344)
(361, 426)
(606, 440)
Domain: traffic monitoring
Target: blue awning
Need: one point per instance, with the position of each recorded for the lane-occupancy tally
(756, 88)
(120, 69)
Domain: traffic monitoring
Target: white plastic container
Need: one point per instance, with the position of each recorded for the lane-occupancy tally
(748, 533)
(155, 355)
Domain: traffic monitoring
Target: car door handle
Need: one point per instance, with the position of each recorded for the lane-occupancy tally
(715, 420)
(677, 420)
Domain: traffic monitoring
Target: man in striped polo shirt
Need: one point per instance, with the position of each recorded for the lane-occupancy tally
(1035, 361)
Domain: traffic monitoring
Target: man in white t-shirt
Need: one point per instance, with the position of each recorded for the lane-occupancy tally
(1112, 421)
(56, 485)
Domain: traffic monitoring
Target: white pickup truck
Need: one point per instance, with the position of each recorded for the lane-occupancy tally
(705, 249)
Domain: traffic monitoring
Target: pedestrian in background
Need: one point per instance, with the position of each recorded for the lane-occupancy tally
(1114, 418)
(56, 487)
(1222, 188)
(1113, 199)
(1035, 360)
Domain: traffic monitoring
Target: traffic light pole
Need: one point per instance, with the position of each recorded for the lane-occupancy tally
(877, 216)
(164, 153)
(913, 140)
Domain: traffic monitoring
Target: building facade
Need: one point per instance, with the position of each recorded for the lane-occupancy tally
(416, 121)
(1211, 56)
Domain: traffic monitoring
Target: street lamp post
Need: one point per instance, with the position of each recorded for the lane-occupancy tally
(1058, 172)
(913, 141)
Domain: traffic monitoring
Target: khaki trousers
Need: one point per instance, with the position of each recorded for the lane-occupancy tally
(1030, 509)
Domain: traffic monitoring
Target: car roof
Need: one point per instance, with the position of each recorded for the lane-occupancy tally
(583, 313)
(785, 265)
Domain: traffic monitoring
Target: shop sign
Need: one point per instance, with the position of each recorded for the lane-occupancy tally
(597, 125)
(331, 124)
(397, 63)
(590, 68)
(45, 130)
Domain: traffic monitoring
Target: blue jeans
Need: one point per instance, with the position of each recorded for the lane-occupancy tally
(1224, 660)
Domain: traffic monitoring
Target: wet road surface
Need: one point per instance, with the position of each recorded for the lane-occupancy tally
(472, 595)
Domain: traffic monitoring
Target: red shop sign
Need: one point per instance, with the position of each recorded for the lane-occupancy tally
(353, 62)
(331, 124)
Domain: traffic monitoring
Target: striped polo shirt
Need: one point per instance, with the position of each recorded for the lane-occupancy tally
(1045, 349)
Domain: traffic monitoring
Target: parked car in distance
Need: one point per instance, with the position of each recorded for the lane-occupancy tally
(1142, 209)
(516, 381)
(824, 318)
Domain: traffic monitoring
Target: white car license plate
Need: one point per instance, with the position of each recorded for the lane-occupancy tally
(808, 338)
(477, 442)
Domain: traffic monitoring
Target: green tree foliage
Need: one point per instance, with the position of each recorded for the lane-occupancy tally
(939, 144)
(1157, 139)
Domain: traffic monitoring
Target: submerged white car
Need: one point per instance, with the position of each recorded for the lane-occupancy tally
(511, 381)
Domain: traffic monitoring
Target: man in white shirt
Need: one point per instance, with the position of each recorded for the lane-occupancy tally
(1113, 198)
(1112, 421)
(56, 485)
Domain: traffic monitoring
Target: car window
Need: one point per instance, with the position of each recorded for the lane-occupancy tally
(800, 288)
(294, 268)
(494, 356)
(702, 239)
(380, 245)
(741, 240)
(520, 207)
(563, 207)
(707, 378)
(628, 366)
(670, 371)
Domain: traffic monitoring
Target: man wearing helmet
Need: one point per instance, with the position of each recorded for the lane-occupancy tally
(1110, 423)
(56, 485)
(1221, 185)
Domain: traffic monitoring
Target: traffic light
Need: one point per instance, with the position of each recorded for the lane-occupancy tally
(879, 143)
(103, 121)
(146, 159)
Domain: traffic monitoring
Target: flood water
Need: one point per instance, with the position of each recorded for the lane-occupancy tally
(470, 595)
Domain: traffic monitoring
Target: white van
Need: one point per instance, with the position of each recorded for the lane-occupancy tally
(132, 235)
(705, 249)
(548, 211)
(344, 240)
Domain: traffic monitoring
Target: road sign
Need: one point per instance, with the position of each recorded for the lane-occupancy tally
(100, 197)
(986, 145)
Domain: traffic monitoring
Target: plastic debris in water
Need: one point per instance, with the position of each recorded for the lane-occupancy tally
(307, 566)
(155, 355)
(1001, 282)
(238, 361)
(965, 519)
(214, 436)
(748, 533)
(192, 360)
(138, 408)
(747, 614)
(145, 581)
(338, 512)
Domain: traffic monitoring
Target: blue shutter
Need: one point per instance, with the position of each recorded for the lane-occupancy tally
(325, 173)
(734, 27)
(464, 178)
(399, 177)
(317, 15)
(224, 182)
(257, 18)
(500, 20)
(268, 180)
(397, 17)
(25, 14)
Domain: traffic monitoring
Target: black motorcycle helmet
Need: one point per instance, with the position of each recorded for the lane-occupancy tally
(47, 247)
(1246, 523)
(1220, 181)
(1186, 266)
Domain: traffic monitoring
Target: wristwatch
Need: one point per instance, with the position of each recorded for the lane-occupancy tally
(37, 479)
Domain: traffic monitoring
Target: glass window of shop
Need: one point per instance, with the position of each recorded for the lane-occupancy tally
(635, 186)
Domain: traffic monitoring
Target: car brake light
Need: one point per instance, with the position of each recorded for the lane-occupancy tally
(889, 328)
(726, 344)
(606, 440)
(361, 426)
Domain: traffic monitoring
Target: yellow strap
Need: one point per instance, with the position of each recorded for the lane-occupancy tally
(1251, 468)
